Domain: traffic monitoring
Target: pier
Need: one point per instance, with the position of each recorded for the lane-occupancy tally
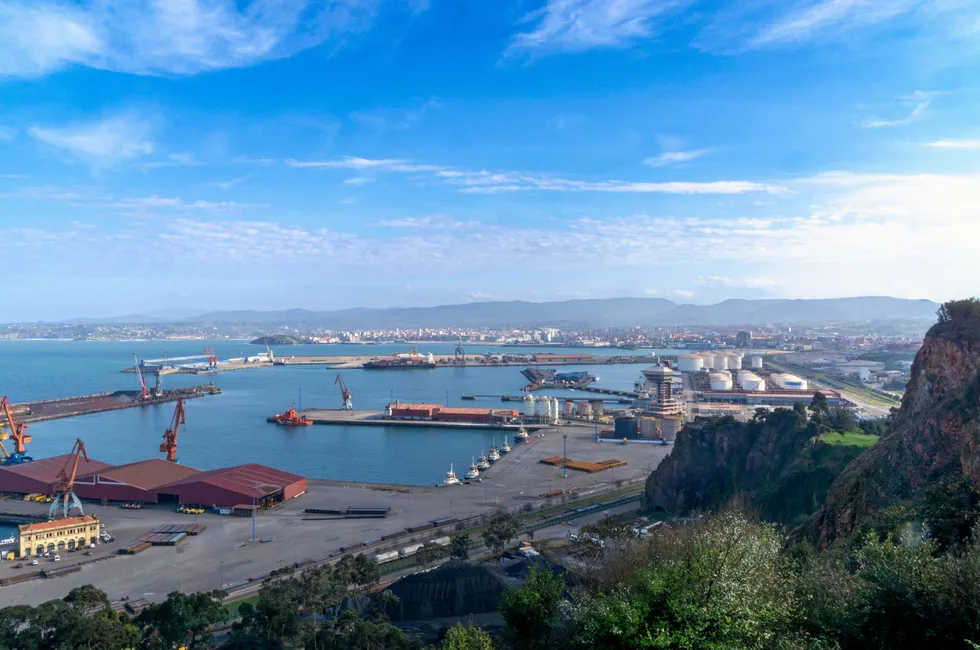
(67, 407)
(378, 419)
(560, 398)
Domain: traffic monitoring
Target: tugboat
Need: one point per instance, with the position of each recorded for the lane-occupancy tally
(505, 448)
(450, 477)
(521, 435)
(482, 463)
(494, 455)
(474, 472)
(292, 418)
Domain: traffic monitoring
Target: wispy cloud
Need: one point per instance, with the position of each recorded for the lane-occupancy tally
(674, 157)
(485, 182)
(954, 144)
(153, 202)
(395, 119)
(175, 37)
(917, 112)
(357, 181)
(433, 222)
(227, 185)
(105, 142)
(579, 25)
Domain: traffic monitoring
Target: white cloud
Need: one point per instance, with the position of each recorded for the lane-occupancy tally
(579, 25)
(674, 157)
(954, 144)
(352, 162)
(747, 283)
(357, 181)
(917, 112)
(805, 20)
(106, 142)
(439, 222)
(227, 185)
(169, 36)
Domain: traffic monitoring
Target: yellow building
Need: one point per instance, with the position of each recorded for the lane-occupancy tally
(58, 536)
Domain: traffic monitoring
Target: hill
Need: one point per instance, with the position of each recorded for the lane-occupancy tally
(595, 313)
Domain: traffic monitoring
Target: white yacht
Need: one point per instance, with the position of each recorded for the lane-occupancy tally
(482, 463)
(474, 472)
(450, 477)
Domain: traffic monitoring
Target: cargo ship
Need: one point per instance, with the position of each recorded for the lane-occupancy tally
(548, 378)
(412, 360)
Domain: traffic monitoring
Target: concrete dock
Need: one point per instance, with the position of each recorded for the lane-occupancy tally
(377, 419)
(67, 407)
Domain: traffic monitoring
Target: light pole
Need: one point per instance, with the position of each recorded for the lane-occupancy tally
(222, 565)
(447, 398)
(564, 455)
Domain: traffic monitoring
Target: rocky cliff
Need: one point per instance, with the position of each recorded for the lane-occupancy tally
(933, 437)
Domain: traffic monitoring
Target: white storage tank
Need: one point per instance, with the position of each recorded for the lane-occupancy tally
(721, 362)
(649, 428)
(720, 381)
(755, 363)
(707, 360)
(530, 406)
(787, 381)
(750, 381)
(689, 363)
(735, 362)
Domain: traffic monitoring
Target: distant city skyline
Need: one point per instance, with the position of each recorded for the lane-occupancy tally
(274, 155)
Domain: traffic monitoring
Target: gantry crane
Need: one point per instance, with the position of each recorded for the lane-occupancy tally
(212, 359)
(65, 483)
(460, 356)
(169, 444)
(18, 433)
(345, 403)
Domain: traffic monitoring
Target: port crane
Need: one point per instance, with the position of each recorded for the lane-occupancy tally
(18, 433)
(460, 358)
(144, 394)
(169, 444)
(345, 395)
(65, 497)
(212, 359)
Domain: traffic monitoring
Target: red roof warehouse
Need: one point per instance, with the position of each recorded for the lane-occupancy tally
(234, 486)
(132, 482)
(39, 476)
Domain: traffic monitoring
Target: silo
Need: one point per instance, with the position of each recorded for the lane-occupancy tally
(648, 428)
(721, 362)
(670, 427)
(584, 409)
(530, 406)
(625, 428)
(755, 363)
(597, 406)
(734, 361)
(568, 408)
(707, 360)
(689, 363)
(720, 381)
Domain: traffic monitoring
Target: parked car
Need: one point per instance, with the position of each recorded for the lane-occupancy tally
(19, 565)
(33, 562)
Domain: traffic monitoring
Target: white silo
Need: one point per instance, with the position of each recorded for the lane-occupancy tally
(721, 362)
(530, 406)
(755, 363)
(720, 381)
(689, 363)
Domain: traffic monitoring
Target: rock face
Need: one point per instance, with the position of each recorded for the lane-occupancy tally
(935, 433)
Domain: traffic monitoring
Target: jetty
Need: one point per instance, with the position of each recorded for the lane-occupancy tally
(337, 417)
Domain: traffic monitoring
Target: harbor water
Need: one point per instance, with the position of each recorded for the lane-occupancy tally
(231, 428)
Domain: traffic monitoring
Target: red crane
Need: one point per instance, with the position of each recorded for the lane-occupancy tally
(169, 444)
(345, 395)
(212, 359)
(65, 483)
(18, 433)
(144, 394)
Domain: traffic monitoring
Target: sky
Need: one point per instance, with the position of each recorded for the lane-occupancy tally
(181, 156)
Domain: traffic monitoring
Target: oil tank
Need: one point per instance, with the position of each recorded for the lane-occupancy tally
(721, 362)
(787, 381)
(530, 406)
(649, 428)
(750, 381)
(720, 381)
(568, 408)
(584, 409)
(670, 427)
(626, 428)
(755, 363)
(597, 406)
(689, 363)
(707, 360)
(734, 362)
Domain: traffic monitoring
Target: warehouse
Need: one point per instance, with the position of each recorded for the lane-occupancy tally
(39, 476)
(132, 482)
(233, 486)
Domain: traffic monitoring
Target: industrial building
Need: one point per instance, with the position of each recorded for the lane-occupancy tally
(449, 414)
(39, 476)
(662, 400)
(58, 536)
(234, 486)
(771, 398)
(133, 482)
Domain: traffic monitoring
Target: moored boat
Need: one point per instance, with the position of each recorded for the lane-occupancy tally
(450, 477)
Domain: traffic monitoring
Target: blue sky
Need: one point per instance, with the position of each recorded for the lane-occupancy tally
(190, 155)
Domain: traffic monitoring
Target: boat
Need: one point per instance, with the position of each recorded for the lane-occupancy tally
(450, 477)
(505, 448)
(494, 454)
(482, 463)
(474, 471)
(411, 360)
(521, 435)
(291, 418)
(8, 540)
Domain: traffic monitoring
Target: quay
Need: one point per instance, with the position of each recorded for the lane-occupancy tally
(66, 407)
(560, 398)
(338, 417)
(450, 361)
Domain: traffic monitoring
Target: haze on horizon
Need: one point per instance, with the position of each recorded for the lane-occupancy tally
(300, 154)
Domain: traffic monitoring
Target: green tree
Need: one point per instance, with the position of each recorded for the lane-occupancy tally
(842, 418)
(427, 555)
(819, 404)
(275, 615)
(460, 549)
(349, 631)
(468, 637)
(529, 611)
(502, 529)
(184, 619)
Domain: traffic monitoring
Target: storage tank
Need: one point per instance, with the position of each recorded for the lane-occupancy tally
(626, 428)
(735, 361)
(584, 409)
(787, 381)
(750, 381)
(755, 363)
(720, 381)
(568, 408)
(670, 427)
(721, 362)
(530, 406)
(689, 363)
(597, 406)
(649, 428)
(707, 360)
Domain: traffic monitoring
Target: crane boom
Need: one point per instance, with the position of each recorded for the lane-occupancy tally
(144, 394)
(18, 433)
(345, 394)
(65, 482)
(169, 444)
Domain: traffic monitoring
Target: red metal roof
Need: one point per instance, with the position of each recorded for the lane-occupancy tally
(60, 523)
(46, 469)
(145, 474)
(249, 480)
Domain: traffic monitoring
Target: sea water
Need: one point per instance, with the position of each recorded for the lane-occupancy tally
(231, 428)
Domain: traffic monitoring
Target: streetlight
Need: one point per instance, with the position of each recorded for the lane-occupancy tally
(222, 565)
(564, 454)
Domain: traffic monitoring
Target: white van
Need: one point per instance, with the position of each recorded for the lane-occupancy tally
(57, 558)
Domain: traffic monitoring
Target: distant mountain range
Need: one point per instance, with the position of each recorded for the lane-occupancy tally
(595, 313)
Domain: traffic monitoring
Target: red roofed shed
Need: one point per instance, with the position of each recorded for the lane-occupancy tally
(131, 482)
(232, 486)
(39, 476)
